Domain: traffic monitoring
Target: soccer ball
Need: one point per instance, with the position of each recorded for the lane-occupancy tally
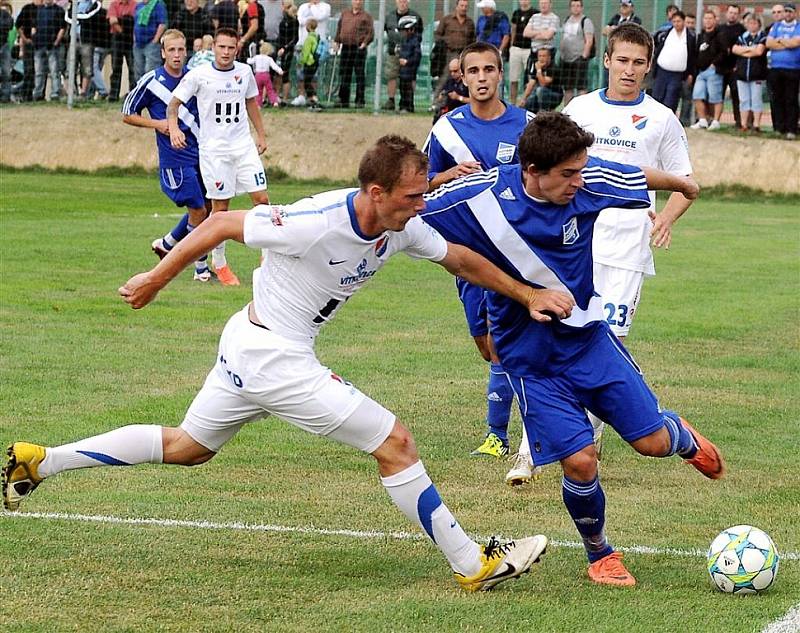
(742, 560)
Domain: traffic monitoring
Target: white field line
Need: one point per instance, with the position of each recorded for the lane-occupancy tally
(789, 623)
(320, 531)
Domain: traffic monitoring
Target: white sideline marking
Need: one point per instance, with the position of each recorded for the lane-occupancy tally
(311, 529)
(789, 623)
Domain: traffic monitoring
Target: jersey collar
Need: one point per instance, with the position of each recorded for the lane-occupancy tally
(220, 70)
(635, 102)
(351, 211)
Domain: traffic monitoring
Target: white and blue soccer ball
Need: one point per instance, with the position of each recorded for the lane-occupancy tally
(742, 560)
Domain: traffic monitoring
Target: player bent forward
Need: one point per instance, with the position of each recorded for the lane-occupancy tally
(317, 253)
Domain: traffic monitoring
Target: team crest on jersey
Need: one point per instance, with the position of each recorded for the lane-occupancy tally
(571, 233)
(505, 152)
(220, 185)
(614, 131)
(238, 79)
(276, 215)
(380, 246)
(638, 121)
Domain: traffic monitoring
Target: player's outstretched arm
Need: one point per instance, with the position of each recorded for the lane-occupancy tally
(141, 289)
(658, 180)
(176, 137)
(542, 304)
(462, 169)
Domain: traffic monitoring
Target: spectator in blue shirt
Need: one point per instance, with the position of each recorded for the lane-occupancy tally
(784, 74)
(493, 26)
(47, 37)
(149, 24)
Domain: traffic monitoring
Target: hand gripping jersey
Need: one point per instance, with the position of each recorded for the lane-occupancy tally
(545, 244)
(461, 136)
(221, 98)
(315, 258)
(644, 133)
(153, 92)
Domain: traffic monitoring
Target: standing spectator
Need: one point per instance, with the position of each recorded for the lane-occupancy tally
(457, 31)
(784, 74)
(287, 39)
(354, 32)
(192, 20)
(6, 26)
(150, 22)
(120, 19)
(224, 15)
(101, 40)
(577, 48)
(26, 22)
(542, 27)
(262, 65)
(88, 10)
(493, 26)
(391, 69)
(730, 31)
(625, 14)
(520, 48)
(751, 71)
(674, 61)
(408, 56)
(687, 105)
(708, 85)
(251, 26)
(320, 12)
(273, 14)
(307, 64)
(47, 36)
(543, 90)
(667, 24)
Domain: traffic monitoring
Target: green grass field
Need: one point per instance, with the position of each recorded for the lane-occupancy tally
(717, 335)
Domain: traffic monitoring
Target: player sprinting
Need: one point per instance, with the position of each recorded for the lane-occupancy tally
(470, 139)
(226, 94)
(318, 252)
(179, 170)
(629, 127)
(535, 221)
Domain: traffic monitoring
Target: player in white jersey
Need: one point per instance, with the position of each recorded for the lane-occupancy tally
(319, 251)
(226, 94)
(633, 128)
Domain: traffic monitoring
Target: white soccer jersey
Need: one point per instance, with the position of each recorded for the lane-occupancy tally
(221, 98)
(643, 133)
(315, 258)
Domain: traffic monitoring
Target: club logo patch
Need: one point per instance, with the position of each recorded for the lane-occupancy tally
(638, 121)
(238, 79)
(505, 152)
(614, 131)
(571, 233)
(380, 246)
(220, 185)
(276, 215)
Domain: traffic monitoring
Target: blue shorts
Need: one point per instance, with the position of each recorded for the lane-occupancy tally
(184, 186)
(606, 381)
(708, 86)
(474, 300)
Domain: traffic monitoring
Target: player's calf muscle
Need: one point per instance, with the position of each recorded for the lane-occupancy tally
(179, 448)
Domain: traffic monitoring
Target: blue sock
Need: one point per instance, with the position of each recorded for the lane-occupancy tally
(500, 397)
(180, 231)
(681, 440)
(586, 504)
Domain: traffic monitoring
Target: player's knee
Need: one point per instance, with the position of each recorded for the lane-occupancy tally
(260, 197)
(581, 466)
(657, 444)
(398, 450)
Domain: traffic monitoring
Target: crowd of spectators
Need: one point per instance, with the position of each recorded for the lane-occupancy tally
(547, 57)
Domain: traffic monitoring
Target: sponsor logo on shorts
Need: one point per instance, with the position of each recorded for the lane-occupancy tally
(571, 233)
(505, 152)
(338, 378)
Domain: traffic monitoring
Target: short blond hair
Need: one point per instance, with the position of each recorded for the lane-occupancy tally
(171, 34)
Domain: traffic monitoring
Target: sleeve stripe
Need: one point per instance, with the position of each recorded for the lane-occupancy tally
(613, 173)
(483, 177)
(602, 181)
(136, 94)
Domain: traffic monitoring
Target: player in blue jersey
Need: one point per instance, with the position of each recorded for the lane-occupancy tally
(535, 221)
(179, 168)
(470, 139)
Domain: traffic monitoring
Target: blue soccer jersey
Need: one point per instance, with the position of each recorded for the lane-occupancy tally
(545, 244)
(461, 136)
(153, 92)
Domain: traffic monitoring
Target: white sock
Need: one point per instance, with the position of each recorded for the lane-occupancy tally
(127, 445)
(524, 447)
(413, 492)
(169, 241)
(597, 424)
(218, 256)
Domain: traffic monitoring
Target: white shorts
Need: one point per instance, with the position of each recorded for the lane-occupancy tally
(620, 290)
(517, 61)
(259, 373)
(229, 173)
